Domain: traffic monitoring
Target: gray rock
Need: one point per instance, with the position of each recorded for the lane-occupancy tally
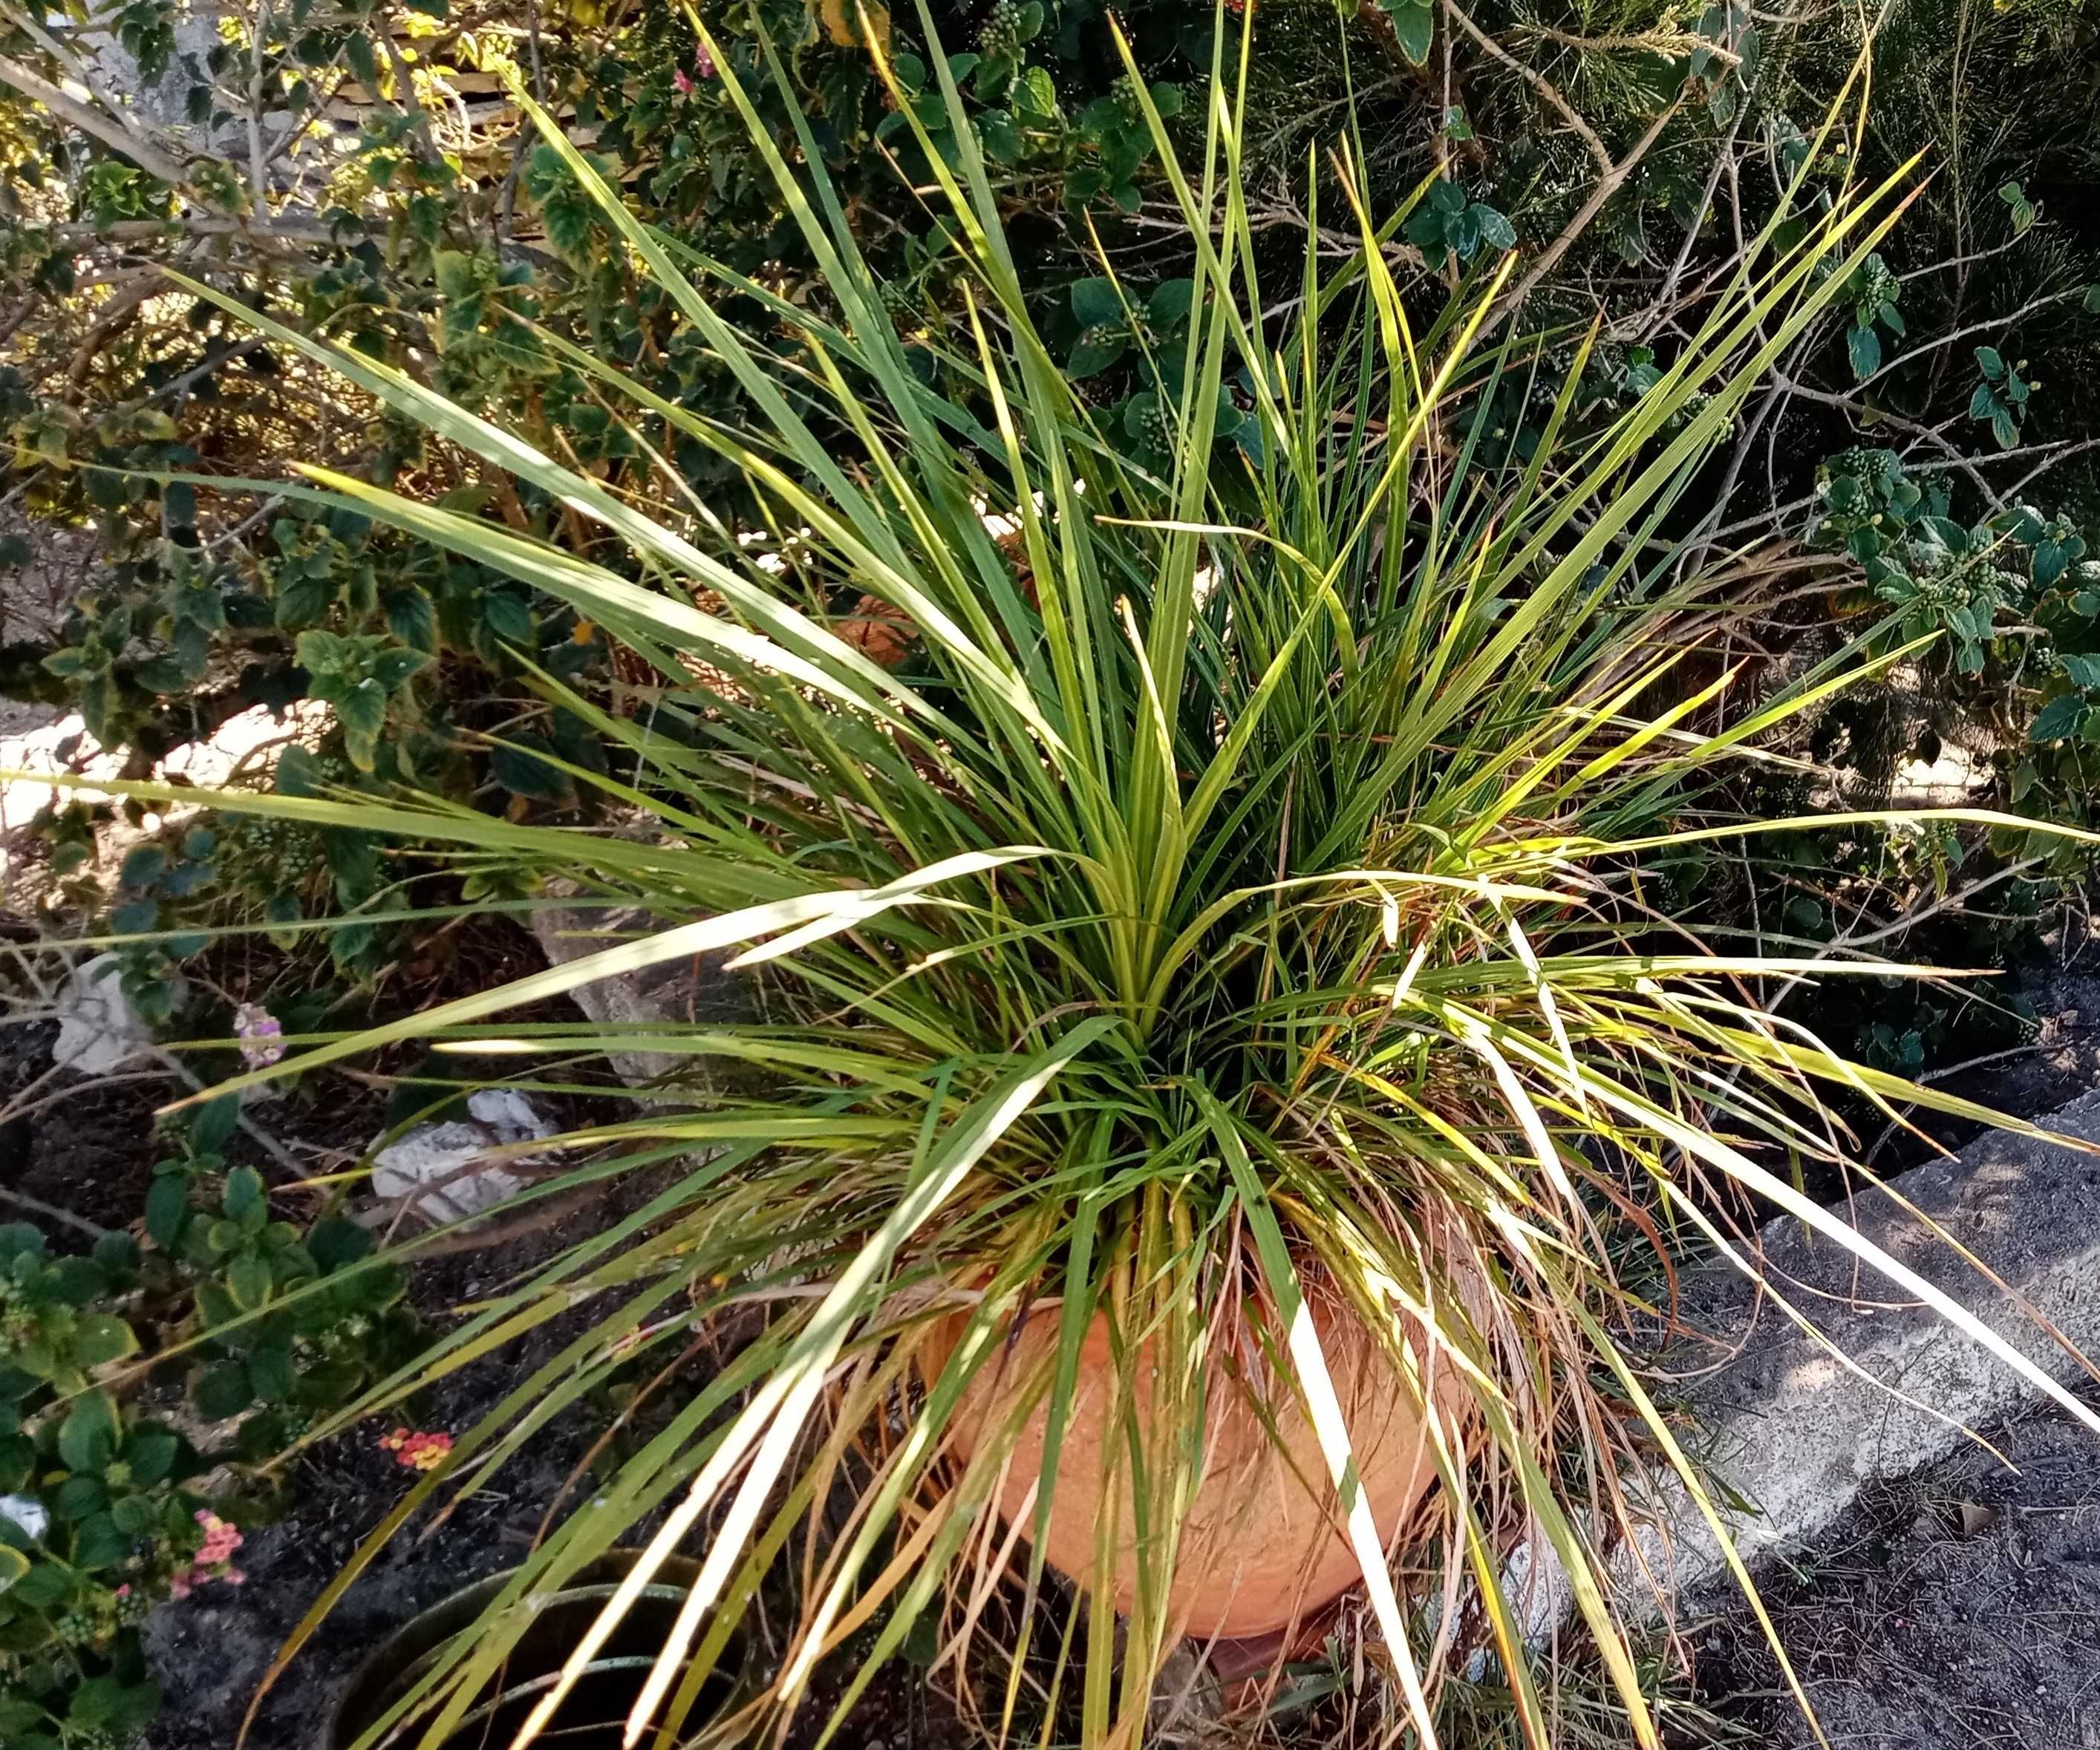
(440, 1165)
(691, 992)
(99, 1029)
(1793, 1430)
(1797, 1432)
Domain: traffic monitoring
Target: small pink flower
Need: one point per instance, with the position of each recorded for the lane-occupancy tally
(704, 63)
(212, 1561)
(123, 1591)
(220, 1540)
(685, 85)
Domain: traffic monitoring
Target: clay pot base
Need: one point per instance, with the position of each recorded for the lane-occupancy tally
(1239, 1663)
(1248, 1670)
(1262, 1553)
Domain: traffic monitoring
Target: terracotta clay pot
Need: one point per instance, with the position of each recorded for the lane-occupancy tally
(1262, 1547)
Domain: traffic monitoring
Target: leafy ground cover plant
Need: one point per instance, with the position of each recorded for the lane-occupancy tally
(1234, 902)
(111, 1498)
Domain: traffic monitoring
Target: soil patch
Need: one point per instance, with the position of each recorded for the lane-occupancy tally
(212, 1651)
(75, 1143)
(2036, 1077)
(1956, 1608)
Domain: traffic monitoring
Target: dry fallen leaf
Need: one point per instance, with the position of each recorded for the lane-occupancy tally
(883, 633)
(1975, 1518)
(842, 20)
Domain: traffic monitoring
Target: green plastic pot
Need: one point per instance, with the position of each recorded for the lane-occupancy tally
(595, 1711)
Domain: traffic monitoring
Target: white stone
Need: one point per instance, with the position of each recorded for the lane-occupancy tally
(694, 991)
(438, 1159)
(27, 1513)
(245, 746)
(99, 1029)
(60, 744)
(1947, 782)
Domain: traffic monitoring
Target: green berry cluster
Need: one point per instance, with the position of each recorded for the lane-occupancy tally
(267, 856)
(19, 1323)
(1004, 31)
(1149, 418)
(83, 1625)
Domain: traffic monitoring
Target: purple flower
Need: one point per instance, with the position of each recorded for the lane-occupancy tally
(261, 1033)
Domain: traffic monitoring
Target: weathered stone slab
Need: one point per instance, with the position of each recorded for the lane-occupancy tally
(692, 991)
(1794, 1430)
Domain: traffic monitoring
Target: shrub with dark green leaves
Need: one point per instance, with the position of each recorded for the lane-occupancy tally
(1626, 164)
(290, 1325)
(96, 1521)
(1450, 222)
(438, 248)
(267, 1329)
(2005, 608)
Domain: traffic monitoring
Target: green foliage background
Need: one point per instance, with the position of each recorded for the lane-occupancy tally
(1923, 465)
(409, 215)
(361, 171)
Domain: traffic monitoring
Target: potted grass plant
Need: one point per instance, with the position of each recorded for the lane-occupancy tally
(1221, 1054)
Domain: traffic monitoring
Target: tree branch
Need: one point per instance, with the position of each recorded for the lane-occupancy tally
(1607, 185)
(1538, 81)
(1851, 405)
(293, 230)
(1957, 335)
(1963, 261)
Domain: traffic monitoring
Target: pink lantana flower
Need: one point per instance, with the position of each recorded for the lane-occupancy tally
(414, 1451)
(261, 1034)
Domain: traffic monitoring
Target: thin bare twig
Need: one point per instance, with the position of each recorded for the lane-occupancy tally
(283, 230)
(271, 1146)
(2062, 455)
(1538, 82)
(1666, 300)
(1607, 185)
(1847, 941)
(1912, 355)
(52, 1212)
(1953, 261)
